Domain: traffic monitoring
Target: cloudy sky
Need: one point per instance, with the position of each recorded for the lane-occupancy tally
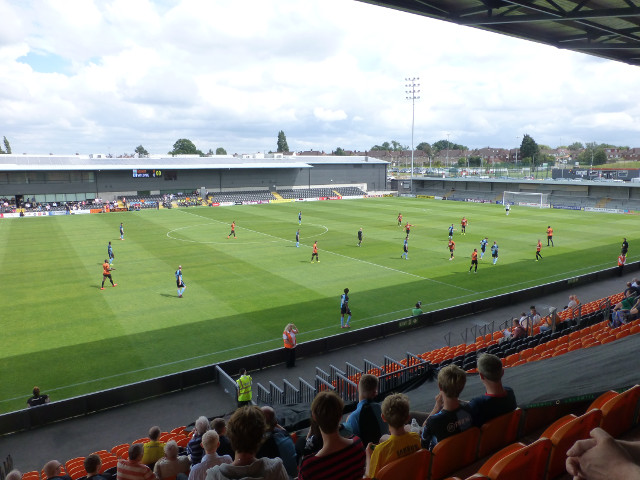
(103, 76)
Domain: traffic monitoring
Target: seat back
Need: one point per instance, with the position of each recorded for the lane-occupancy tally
(411, 467)
(565, 436)
(619, 413)
(454, 453)
(531, 459)
(498, 432)
(602, 399)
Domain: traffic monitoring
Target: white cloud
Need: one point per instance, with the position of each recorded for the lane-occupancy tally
(328, 72)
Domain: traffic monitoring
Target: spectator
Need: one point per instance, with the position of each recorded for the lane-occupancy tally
(516, 331)
(278, 443)
(449, 416)
(312, 443)
(546, 324)
(154, 448)
(194, 447)
(366, 420)
(133, 468)
(339, 458)
(14, 475)
(53, 469)
(497, 399)
(621, 261)
(246, 430)
(573, 301)
(621, 311)
(224, 446)
(92, 466)
(395, 411)
(417, 310)
(534, 320)
(210, 442)
(171, 465)
(37, 398)
(602, 457)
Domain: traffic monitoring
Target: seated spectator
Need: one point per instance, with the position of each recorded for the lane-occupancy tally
(449, 416)
(602, 457)
(53, 469)
(224, 445)
(14, 475)
(37, 398)
(532, 320)
(246, 430)
(395, 411)
(154, 448)
(546, 324)
(573, 301)
(497, 399)
(194, 447)
(92, 465)
(133, 468)
(516, 331)
(210, 442)
(366, 420)
(171, 465)
(278, 444)
(417, 310)
(312, 443)
(621, 311)
(339, 458)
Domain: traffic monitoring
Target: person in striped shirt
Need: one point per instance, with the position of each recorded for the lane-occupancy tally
(339, 458)
(133, 468)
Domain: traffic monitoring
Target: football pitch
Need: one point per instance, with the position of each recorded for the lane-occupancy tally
(64, 334)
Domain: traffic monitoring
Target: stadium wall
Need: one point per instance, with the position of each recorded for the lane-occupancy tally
(86, 404)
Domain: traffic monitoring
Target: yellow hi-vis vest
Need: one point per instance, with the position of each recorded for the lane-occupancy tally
(244, 388)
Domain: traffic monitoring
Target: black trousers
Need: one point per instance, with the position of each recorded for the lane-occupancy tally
(291, 357)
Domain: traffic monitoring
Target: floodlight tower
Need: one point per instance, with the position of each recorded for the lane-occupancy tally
(412, 94)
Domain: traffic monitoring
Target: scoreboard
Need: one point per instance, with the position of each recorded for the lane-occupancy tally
(147, 173)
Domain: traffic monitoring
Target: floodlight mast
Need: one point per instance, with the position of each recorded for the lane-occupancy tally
(413, 96)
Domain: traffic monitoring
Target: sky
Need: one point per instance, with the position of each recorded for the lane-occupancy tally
(104, 76)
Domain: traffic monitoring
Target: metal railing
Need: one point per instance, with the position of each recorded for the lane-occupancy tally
(263, 395)
(226, 382)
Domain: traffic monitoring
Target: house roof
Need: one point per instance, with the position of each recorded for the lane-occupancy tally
(604, 28)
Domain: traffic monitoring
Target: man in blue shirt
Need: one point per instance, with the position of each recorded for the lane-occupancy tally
(494, 252)
(300, 217)
(368, 429)
(497, 400)
(110, 253)
(405, 247)
(179, 282)
(344, 309)
(121, 231)
(298, 238)
(483, 246)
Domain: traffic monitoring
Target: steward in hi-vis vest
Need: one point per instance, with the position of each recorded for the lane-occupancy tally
(244, 388)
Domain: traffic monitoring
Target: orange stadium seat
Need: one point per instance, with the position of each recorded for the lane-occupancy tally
(563, 436)
(411, 467)
(121, 451)
(141, 440)
(619, 413)
(602, 399)
(33, 475)
(499, 432)
(531, 459)
(454, 453)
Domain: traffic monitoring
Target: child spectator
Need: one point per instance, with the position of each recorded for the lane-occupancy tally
(224, 448)
(395, 411)
(339, 458)
(449, 416)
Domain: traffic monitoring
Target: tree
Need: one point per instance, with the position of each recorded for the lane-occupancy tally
(593, 154)
(398, 147)
(340, 152)
(475, 161)
(575, 146)
(220, 151)
(282, 142)
(7, 147)
(529, 149)
(444, 144)
(141, 151)
(184, 146)
(425, 147)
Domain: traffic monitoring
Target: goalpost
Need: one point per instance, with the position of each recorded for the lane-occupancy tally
(527, 199)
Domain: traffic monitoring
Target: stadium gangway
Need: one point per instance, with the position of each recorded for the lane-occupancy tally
(333, 374)
(227, 383)
(277, 394)
(263, 395)
(291, 394)
(346, 388)
(322, 385)
(352, 371)
(307, 391)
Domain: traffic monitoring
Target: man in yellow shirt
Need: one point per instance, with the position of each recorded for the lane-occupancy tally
(154, 448)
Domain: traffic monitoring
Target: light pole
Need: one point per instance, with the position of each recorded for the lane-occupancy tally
(412, 94)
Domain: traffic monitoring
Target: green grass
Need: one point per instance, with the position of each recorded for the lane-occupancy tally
(62, 333)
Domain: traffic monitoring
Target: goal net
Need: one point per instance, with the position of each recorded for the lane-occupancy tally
(527, 199)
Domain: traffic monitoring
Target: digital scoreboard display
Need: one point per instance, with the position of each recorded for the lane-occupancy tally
(147, 173)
